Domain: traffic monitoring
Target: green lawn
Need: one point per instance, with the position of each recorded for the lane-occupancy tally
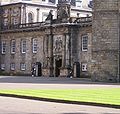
(105, 96)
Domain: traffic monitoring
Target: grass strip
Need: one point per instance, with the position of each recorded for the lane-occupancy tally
(104, 96)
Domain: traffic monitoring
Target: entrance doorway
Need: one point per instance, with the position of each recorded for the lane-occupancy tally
(38, 69)
(58, 64)
(76, 69)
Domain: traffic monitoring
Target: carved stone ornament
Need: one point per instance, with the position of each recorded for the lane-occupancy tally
(58, 45)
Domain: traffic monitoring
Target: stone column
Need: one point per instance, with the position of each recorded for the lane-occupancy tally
(20, 15)
(0, 17)
(38, 12)
(23, 14)
(63, 50)
(67, 53)
(10, 16)
(51, 51)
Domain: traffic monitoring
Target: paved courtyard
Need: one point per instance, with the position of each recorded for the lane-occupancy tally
(23, 106)
(14, 82)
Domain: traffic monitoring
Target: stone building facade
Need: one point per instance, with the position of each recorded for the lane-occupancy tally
(54, 47)
(90, 48)
(106, 40)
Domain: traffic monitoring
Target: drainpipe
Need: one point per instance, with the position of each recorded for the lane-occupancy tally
(0, 32)
(118, 80)
(51, 45)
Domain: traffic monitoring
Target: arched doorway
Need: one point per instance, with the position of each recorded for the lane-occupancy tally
(58, 64)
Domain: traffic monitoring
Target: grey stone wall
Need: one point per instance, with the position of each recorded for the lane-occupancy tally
(85, 56)
(105, 40)
(69, 49)
(77, 55)
(28, 58)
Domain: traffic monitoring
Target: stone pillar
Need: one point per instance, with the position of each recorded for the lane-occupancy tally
(23, 14)
(0, 17)
(20, 15)
(51, 51)
(38, 13)
(64, 51)
(45, 69)
(64, 71)
(10, 16)
(67, 51)
(45, 50)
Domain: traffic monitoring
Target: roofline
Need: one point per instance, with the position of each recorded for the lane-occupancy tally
(50, 6)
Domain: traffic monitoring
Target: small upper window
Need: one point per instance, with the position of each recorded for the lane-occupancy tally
(30, 17)
(85, 43)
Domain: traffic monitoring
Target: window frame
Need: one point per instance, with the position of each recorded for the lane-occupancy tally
(2, 66)
(34, 45)
(13, 46)
(12, 66)
(3, 47)
(5, 22)
(22, 66)
(23, 46)
(84, 44)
